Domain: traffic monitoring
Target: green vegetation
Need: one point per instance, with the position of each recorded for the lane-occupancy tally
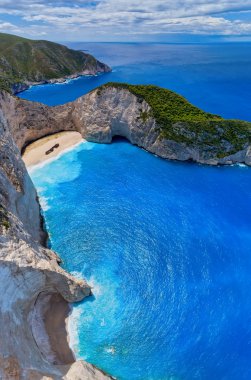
(23, 60)
(181, 121)
(167, 106)
(144, 116)
(4, 220)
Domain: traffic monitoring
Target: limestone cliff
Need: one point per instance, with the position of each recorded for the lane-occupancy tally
(30, 274)
(117, 110)
(114, 110)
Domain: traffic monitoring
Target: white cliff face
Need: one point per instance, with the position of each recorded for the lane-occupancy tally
(112, 111)
(101, 115)
(107, 112)
(27, 271)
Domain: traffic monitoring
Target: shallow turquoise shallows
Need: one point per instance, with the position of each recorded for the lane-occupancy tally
(166, 247)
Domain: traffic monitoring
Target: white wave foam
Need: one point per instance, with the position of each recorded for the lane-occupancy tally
(73, 328)
(96, 288)
(110, 350)
(32, 168)
(44, 203)
(62, 83)
(242, 165)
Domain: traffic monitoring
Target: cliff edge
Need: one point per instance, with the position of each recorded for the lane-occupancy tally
(30, 273)
(163, 123)
(155, 119)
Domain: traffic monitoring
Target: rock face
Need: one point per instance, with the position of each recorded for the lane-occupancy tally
(30, 274)
(108, 112)
(111, 111)
(28, 270)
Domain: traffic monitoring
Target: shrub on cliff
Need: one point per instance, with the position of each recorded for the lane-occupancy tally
(183, 122)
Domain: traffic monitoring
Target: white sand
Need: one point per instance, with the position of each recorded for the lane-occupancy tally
(35, 153)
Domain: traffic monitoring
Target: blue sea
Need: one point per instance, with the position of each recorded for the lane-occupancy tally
(165, 245)
(216, 77)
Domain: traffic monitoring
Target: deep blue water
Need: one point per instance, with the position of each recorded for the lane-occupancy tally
(167, 248)
(216, 77)
(165, 245)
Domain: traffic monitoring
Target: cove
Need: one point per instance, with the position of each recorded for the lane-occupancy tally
(166, 247)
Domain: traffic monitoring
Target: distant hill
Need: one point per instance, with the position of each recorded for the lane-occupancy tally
(23, 61)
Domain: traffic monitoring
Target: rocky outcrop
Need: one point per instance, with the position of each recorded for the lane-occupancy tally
(28, 270)
(111, 111)
(30, 273)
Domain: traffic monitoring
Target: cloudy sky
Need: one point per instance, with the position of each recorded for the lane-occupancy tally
(127, 20)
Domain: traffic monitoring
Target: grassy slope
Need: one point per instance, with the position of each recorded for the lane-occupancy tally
(181, 121)
(22, 59)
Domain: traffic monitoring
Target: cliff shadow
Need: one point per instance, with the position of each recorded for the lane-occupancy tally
(117, 139)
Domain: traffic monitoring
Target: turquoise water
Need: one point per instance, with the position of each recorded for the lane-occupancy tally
(215, 77)
(166, 247)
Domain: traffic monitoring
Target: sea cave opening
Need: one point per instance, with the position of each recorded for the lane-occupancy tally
(119, 139)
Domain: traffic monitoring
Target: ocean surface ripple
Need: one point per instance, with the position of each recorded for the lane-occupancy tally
(166, 247)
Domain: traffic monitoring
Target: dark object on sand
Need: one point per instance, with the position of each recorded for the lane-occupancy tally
(52, 149)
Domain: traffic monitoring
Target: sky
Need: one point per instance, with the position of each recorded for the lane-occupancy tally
(128, 20)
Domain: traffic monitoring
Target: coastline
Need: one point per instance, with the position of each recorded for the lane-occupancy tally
(20, 87)
(56, 326)
(53, 311)
(49, 147)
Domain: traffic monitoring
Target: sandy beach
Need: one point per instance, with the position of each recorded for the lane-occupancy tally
(57, 310)
(50, 146)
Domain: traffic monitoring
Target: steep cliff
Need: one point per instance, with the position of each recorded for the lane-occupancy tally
(24, 61)
(175, 129)
(163, 123)
(30, 274)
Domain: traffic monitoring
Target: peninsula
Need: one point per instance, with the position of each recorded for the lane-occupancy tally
(25, 62)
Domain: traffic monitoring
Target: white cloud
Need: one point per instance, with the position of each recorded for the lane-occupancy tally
(7, 25)
(130, 16)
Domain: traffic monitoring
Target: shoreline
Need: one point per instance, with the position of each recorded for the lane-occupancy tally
(17, 88)
(52, 310)
(49, 147)
(56, 319)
